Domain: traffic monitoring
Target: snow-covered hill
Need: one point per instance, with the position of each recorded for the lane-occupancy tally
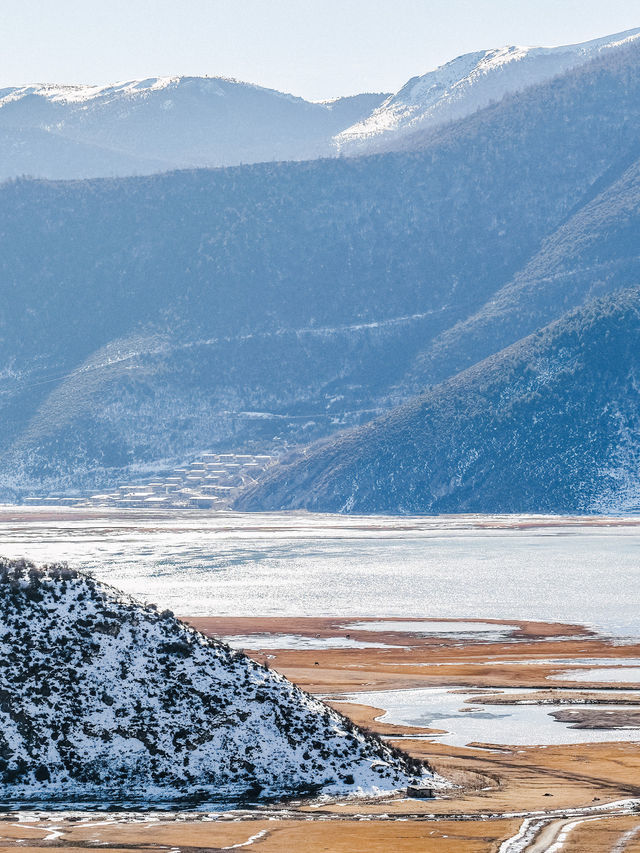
(102, 699)
(146, 126)
(551, 424)
(465, 85)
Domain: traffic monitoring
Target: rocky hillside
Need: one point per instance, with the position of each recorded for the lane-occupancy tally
(104, 700)
(550, 424)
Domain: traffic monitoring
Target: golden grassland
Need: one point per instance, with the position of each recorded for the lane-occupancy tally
(475, 817)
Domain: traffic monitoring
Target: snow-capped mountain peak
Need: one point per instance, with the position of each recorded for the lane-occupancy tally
(466, 84)
(130, 89)
(75, 94)
(161, 123)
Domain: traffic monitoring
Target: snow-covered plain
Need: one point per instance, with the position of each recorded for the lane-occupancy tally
(463, 567)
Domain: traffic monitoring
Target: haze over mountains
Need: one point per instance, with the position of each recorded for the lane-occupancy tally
(163, 123)
(145, 320)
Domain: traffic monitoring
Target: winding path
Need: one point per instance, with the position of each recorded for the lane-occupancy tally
(548, 833)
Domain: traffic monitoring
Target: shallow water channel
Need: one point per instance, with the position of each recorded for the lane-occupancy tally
(477, 722)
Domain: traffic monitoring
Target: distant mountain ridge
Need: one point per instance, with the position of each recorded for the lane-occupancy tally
(463, 86)
(157, 124)
(163, 123)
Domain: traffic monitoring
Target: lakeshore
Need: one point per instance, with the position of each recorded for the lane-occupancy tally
(429, 685)
(505, 796)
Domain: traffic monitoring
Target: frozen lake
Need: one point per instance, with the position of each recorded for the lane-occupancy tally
(459, 567)
(622, 674)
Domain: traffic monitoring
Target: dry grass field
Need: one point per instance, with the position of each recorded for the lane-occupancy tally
(557, 789)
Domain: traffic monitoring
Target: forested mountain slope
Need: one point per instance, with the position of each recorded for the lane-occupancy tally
(550, 424)
(597, 250)
(147, 319)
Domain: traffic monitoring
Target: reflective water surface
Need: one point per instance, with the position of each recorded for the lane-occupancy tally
(453, 567)
(466, 723)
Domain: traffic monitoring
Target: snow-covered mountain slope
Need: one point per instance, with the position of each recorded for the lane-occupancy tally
(146, 126)
(550, 424)
(102, 699)
(465, 85)
(146, 320)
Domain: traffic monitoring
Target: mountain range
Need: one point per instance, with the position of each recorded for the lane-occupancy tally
(463, 86)
(272, 305)
(158, 124)
(163, 123)
(136, 707)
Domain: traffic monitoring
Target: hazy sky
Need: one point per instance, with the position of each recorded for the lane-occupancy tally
(314, 48)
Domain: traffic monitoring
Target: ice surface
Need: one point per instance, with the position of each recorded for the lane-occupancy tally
(622, 674)
(298, 641)
(462, 630)
(466, 567)
(439, 708)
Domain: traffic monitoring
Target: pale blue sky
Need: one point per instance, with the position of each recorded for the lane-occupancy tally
(314, 48)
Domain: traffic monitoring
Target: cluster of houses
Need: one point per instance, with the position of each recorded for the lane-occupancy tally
(208, 483)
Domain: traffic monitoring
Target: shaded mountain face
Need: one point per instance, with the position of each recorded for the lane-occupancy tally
(104, 700)
(463, 86)
(550, 424)
(595, 251)
(163, 123)
(145, 320)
